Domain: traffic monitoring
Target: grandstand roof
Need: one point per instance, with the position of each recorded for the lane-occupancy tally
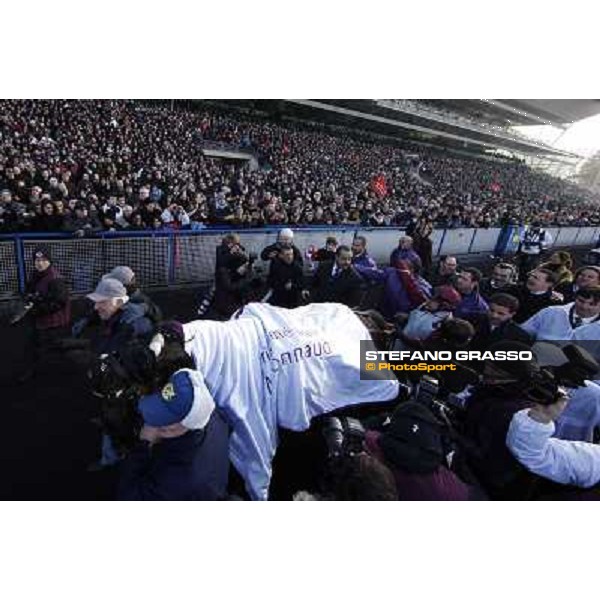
(475, 125)
(528, 112)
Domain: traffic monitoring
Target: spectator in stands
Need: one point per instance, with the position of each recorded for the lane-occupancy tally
(503, 279)
(81, 223)
(405, 251)
(48, 220)
(328, 251)
(404, 289)
(445, 273)
(498, 324)
(175, 216)
(285, 239)
(535, 295)
(338, 281)
(183, 453)
(10, 212)
(360, 256)
(48, 307)
(456, 191)
(122, 320)
(286, 280)
(586, 277)
(472, 306)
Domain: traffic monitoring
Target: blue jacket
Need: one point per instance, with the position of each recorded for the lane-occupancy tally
(194, 466)
(129, 323)
(364, 260)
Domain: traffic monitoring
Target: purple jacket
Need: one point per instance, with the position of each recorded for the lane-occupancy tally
(472, 305)
(401, 254)
(364, 260)
(441, 484)
(396, 297)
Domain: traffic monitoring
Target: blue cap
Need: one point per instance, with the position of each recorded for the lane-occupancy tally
(184, 399)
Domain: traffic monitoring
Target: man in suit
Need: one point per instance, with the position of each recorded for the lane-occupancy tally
(285, 279)
(338, 280)
(498, 325)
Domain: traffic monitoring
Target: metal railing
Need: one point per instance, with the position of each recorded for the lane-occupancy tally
(169, 258)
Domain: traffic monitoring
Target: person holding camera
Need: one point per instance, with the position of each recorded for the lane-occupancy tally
(183, 448)
(507, 388)
(285, 238)
(234, 281)
(530, 440)
(175, 216)
(48, 309)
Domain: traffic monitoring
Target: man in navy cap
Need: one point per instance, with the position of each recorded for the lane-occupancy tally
(48, 305)
(183, 453)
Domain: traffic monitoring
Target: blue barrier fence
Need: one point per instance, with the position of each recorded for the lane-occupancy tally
(165, 258)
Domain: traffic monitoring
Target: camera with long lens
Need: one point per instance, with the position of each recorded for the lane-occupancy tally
(344, 436)
(427, 392)
(545, 386)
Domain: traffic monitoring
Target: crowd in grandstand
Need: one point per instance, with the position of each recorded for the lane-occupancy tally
(91, 166)
(196, 410)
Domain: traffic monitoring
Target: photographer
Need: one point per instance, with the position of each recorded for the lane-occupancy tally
(285, 239)
(507, 388)
(235, 279)
(48, 307)
(183, 449)
(530, 440)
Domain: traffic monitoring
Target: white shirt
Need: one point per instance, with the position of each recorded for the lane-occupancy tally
(566, 462)
(271, 367)
(553, 323)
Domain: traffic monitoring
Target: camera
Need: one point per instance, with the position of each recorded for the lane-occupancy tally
(577, 366)
(344, 436)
